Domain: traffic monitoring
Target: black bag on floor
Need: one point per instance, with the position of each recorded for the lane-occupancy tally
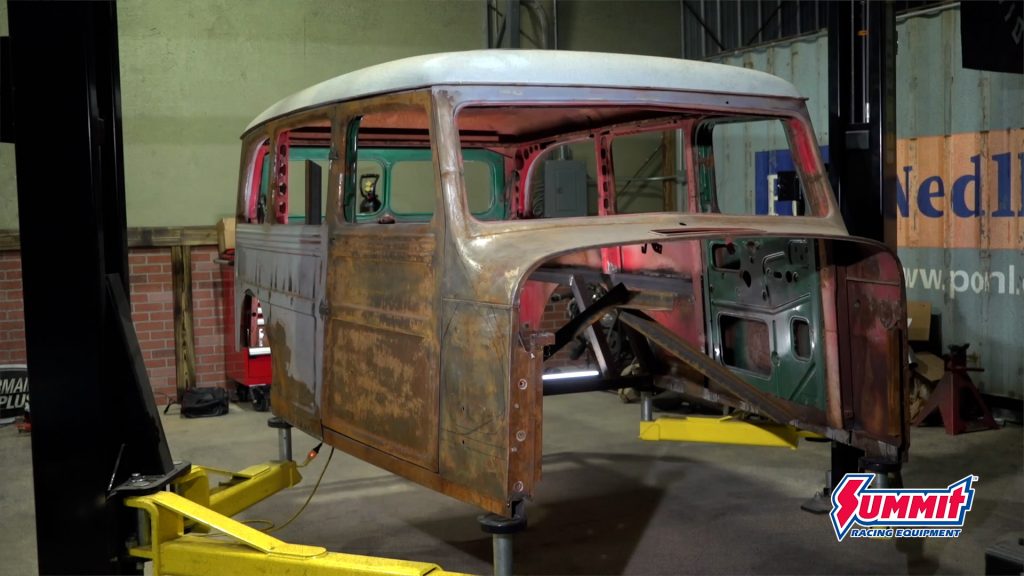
(203, 402)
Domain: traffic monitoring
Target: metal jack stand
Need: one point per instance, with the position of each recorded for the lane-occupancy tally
(646, 407)
(950, 395)
(501, 529)
(887, 473)
(845, 459)
(284, 437)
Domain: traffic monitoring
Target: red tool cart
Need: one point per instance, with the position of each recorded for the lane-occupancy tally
(249, 365)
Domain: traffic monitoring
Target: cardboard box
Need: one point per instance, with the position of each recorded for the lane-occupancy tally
(930, 366)
(226, 235)
(919, 316)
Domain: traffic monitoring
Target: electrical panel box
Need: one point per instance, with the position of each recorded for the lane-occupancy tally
(565, 188)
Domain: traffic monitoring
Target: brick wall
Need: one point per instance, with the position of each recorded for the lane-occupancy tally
(554, 317)
(208, 316)
(152, 313)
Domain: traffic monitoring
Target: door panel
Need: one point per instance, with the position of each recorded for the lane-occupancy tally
(764, 311)
(382, 362)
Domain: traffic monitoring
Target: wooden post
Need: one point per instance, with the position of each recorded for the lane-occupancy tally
(184, 345)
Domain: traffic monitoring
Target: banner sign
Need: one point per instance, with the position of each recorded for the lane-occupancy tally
(955, 191)
(13, 390)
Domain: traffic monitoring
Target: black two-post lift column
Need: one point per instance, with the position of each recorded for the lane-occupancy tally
(862, 134)
(862, 115)
(94, 421)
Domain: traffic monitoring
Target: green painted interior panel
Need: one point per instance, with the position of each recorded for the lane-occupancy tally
(764, 314)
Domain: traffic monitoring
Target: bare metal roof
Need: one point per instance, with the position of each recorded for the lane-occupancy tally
(533, 67)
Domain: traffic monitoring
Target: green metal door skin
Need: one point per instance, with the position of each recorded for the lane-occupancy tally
(764, 315)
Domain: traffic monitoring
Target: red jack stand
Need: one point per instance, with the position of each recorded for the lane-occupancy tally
(956, 386)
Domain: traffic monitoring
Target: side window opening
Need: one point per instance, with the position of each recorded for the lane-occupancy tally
(308, 171)
(563, 181)
(393, 172)
(650, 176)
(742, 171)
(257, 185)
(391, 168)
(292, 177)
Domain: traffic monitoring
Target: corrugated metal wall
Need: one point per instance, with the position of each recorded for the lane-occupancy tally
(960, 160)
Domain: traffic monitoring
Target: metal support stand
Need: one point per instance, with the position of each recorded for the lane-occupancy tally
(862, 116)
(845, 459)
(887, 473)
(284, 437)
(646, 407)
(502, 529)
(949, 396)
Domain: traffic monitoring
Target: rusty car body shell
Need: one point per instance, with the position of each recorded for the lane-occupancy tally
(416, 345)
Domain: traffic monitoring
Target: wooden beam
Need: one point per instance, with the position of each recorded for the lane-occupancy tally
(149, 237)
(172, 236)
(184, 345)
(9, 240)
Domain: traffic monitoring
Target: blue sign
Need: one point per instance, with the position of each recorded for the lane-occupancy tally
(767, 166)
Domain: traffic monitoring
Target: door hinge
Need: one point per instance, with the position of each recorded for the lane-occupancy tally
(324, 309)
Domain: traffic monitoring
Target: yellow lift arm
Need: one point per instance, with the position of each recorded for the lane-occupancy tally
(234, 548)
(721, 430)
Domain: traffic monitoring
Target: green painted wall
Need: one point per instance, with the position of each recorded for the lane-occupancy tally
(8, 186)
(626, 26)
(195, 72)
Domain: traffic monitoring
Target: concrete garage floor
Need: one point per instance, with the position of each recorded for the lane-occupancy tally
(608, 504)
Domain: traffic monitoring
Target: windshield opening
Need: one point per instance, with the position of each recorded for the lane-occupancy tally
(584, 161)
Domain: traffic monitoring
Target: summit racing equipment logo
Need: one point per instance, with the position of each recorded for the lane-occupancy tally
(885, 512)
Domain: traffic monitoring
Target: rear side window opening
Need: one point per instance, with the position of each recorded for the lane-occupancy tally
(394, 172)
(287, 181)
(399, 182)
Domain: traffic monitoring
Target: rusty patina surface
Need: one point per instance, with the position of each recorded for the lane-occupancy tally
(414, 343)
